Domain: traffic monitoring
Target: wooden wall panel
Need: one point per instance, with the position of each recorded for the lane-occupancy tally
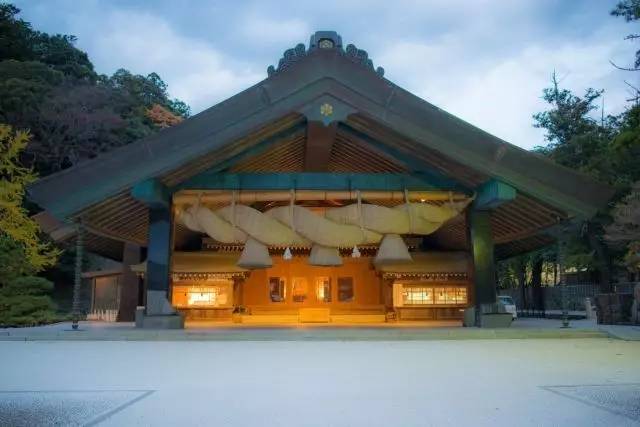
(366, 285)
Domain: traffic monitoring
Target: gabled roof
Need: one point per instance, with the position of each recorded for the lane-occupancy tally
(304, 79)
(368, 111)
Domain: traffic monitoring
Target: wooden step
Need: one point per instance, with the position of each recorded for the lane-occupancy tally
(314, 315)
(266, 319)
(358, 318)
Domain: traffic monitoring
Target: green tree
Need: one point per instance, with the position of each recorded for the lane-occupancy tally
(574, 138)
(579, 141)
(624, 151)
(20, 42)
(624, 231)
(24, 301)
(49, 86)
(15, 224)
(630, 11)
(147, 91)
(15, 34)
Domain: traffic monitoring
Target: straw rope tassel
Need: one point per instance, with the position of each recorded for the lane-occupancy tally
(356, 252)
(287, 252)
(409, 210)
(233, 211)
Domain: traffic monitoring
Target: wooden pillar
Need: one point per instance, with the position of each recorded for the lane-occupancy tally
(156, 196)
(481, 239)
(157, 276)
(77, 280)
(130, 284)
(489, 196)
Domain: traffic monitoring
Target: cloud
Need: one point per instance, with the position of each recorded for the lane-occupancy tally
(194, 70)
(500, 91)
(485, 61)
(260, 29)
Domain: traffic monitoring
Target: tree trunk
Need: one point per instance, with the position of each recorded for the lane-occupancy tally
(603, 258)
(536, 283)
(521, 275)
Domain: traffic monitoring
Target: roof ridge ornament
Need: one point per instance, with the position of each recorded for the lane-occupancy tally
(324, 40)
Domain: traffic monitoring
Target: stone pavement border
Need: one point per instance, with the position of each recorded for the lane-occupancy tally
(124, 332)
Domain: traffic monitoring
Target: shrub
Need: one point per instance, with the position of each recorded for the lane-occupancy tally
(24, 302)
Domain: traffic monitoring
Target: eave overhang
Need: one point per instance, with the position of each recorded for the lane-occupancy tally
(321, 77)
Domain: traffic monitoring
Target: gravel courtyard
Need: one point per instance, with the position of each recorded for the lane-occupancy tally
(330, 383)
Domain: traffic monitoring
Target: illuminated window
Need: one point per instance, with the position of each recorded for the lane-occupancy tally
(204, 295)
(277, 289)
(415, 295)
(427, 295)
(345, 289)
(450, 295)
(299, 289)
(323, 289)
(461, 296)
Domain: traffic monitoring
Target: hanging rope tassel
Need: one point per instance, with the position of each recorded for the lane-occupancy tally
(409, 210)
(355, 253)
(292, 199)
(233, 213)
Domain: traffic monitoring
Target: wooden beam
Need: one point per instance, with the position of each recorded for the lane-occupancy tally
(311, 181)
(259, 148)
(188, 197)
(417, 166)
(320, 139)
(492, 194)
(152, 193)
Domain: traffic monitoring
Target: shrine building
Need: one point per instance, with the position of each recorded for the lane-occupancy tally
(324, 193)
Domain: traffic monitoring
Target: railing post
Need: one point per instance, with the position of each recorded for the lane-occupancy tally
(77, 279)
(563, 278)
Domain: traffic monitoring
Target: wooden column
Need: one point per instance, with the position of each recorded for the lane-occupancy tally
(320, 139)
(484, 276)
(77, 280)
(489, 196)
(158, 260)
(130, 284)
(159, 245)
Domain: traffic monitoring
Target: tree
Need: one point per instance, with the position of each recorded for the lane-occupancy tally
(630, 11)
(49, 86)
(15, 224)
(24, 302)
(75, 123)
(624, 231)
(624, 151)
(15, 34)
(162, 117)
(147, 91)
(20, 42)
(577, 140)
(23, 88)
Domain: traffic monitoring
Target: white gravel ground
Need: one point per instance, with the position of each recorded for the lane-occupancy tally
(575, 382)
